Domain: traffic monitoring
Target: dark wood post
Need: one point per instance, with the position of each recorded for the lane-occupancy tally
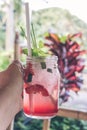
(16, 47)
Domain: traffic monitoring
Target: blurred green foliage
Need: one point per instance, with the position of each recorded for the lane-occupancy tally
(60, 21)
(2, 39)
(4, 60)
(57, 123)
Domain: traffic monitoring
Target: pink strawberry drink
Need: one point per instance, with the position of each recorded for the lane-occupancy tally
(41, 87)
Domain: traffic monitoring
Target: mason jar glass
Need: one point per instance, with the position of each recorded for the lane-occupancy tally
(41, 87)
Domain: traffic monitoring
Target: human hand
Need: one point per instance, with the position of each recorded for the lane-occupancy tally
(10, 74)
(11, 83)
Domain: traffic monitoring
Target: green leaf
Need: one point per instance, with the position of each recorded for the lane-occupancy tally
(49, 70)
(63, 39)
(34, 52)
(29, 78)
(40, 44)
(25, 51)
(43, 65)
(23, 32)
(46, 34)
(33, 37)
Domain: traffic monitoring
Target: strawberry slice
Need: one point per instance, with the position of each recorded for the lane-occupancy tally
(37, 88)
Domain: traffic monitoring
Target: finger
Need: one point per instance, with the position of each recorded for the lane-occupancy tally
(19, 65)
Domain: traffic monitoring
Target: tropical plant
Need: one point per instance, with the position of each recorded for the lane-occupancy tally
(70, 61)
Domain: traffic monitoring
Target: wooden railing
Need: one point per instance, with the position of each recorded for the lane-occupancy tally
(63, 112)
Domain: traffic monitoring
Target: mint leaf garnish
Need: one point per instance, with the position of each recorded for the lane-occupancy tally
(43, 65)
(25, 51)
(37, 49)
(29, 78)
(49, 70)
(23, 32)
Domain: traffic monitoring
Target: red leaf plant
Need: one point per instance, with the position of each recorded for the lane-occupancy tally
(70, 61)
